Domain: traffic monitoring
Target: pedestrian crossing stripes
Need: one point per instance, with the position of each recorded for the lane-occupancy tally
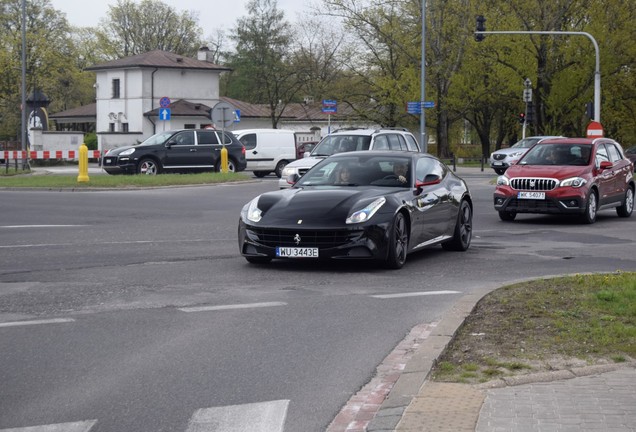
(267, 416)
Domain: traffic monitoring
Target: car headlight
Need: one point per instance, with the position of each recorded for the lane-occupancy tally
(503, 181)
(516, 154)
(575, 182)
(366, 213)
(127, 152)
(287, 171)
(254, 214)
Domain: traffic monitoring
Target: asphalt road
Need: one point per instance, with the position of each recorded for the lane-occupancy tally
(143, 317)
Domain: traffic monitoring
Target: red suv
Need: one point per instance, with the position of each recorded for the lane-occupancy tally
(577, 176)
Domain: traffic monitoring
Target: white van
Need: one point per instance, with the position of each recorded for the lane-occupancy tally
(268, 150)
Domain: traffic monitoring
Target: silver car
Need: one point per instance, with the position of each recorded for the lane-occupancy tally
(501, 159)
(350, 140)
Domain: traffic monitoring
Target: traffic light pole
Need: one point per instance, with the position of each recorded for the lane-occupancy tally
(597, 71)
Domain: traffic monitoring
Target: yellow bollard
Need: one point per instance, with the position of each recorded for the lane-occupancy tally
(224, 160)
(83, 164)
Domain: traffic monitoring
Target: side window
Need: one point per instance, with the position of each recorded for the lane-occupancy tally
(249, 141)
(381, 143)
(116, 89)
(614, 155)
(184, 138)
(207, 137)
(411, 143)
(427, 166)
(394, 142)
(601, 154)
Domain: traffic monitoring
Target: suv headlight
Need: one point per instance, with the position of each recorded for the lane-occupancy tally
(127, 152)
(575, 182)
(287, 171)
(516, 154)
(503, 181)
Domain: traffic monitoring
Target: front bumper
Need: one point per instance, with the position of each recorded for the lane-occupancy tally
(115, 165)
(367, 242)
(559, 201)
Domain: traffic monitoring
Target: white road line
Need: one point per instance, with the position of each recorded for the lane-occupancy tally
(414, 294)
(81, 426)
(255, 417)
(39, 226)
(110, 243)
(35, 322)
(229, 307)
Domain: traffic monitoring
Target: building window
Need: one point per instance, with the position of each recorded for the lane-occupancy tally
(111, 127)
(189, 126)
(116, 91)
(124, 127)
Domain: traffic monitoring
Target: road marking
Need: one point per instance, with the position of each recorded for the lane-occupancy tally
(110, 243)
(39, 226)
(81, 426)
(229, 307)
(414, 294)
(35, 322)
(255, 417)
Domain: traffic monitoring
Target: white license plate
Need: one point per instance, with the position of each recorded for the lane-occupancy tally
(531, 195)
(107, 161)
(296, 252)
(498, 163)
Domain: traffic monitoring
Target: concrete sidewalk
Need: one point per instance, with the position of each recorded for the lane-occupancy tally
(401, 398)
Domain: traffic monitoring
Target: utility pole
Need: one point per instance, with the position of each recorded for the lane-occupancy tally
(423, 137)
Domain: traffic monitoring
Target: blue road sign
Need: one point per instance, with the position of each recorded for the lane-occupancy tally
(413, 108)
(237, 116)
(428, 104)
(329, 106)
(164, 114)
(164, 102)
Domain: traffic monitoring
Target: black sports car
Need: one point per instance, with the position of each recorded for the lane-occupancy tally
(360, 205)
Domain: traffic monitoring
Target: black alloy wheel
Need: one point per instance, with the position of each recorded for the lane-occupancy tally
(463, 233)
(398, 242)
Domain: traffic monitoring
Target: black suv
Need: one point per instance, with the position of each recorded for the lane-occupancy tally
(185, 150)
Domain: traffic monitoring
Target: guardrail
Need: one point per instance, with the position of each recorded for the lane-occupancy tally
(46, 154)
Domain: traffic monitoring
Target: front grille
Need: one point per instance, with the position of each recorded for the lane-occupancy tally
(308, 238)
(498, 156)
(533, 184)
(531, 205)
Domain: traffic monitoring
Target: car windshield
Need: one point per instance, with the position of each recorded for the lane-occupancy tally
(333, 144)
(558, 154)
(368, 170)
(159, 138)
(526, 143)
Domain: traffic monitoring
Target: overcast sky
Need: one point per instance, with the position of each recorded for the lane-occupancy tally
(213, 14)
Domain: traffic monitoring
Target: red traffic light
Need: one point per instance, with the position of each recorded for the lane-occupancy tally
(522, 118)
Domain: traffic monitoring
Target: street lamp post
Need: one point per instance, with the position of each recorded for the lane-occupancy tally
(423, 138)
(597, 69)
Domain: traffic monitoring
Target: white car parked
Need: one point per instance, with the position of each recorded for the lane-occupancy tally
(350, 140)
(501, 159)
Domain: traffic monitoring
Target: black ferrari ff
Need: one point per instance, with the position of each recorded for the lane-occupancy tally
(373, 205)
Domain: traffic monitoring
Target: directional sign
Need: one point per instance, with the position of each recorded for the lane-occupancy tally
(329, 106)
(413, 108)
(237, 116)
(164, 114)
(164, 102)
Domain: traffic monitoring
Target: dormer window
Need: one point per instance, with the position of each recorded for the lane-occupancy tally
(116, 91)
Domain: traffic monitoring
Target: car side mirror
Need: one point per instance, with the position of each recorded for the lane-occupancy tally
(169, 144)
(605, 165)
(430, 179)
(292, 178)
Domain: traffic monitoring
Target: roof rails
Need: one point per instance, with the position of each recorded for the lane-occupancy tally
(403, 129)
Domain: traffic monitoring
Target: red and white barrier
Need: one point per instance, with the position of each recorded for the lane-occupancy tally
(46, 154)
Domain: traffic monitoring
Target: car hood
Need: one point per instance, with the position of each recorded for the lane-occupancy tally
(553, 171)
(117, 150)
(314, 207)
(510, 150)
(306, 162)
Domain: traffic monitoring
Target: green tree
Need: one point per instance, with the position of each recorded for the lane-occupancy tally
(262, 61)
(134, 28)
(48, 69)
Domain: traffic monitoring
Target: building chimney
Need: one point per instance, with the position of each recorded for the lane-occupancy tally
(203, 53)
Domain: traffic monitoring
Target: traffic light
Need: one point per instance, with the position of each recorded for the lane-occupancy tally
(522, 118)
(481, 26)
(530, 116)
